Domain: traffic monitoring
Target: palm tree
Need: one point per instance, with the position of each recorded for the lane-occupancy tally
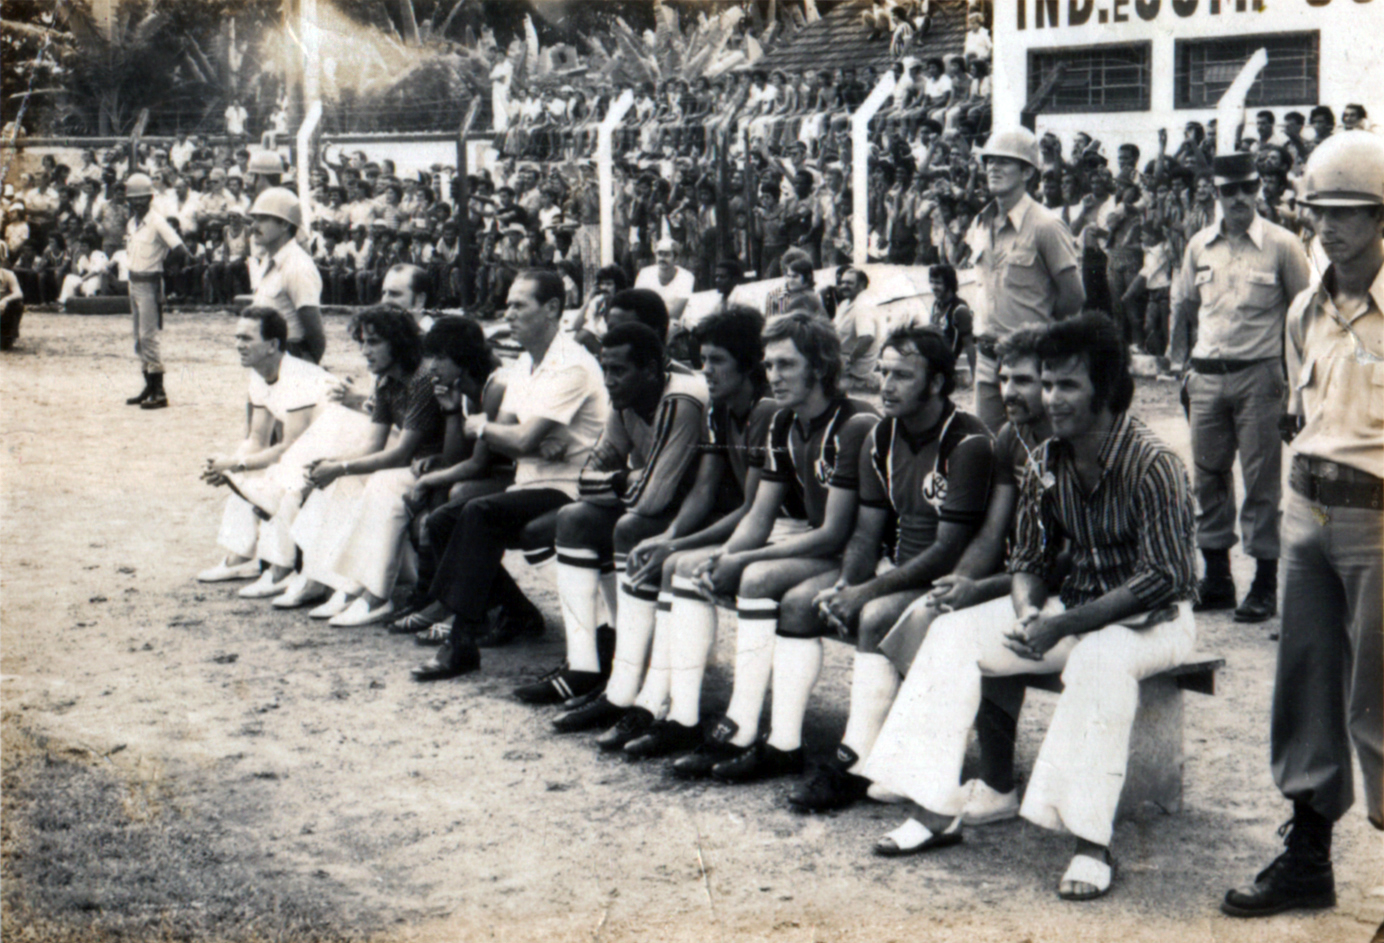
(127, 55)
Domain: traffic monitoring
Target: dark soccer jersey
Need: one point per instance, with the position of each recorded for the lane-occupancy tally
(943, 475)
(740, 441)
(825, 454)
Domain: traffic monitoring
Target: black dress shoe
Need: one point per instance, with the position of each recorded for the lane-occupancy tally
(457, 657)
(556, 687)
(1299, 879)
(597, 713)
(714, 748)
(635, 723)
(830, 786)
(1214, 593)
(664, 739)
(1259, 606)
(759, 761)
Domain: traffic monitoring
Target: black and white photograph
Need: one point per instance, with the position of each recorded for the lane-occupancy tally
(692, 471)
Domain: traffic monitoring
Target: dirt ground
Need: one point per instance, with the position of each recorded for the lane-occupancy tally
(183, 764)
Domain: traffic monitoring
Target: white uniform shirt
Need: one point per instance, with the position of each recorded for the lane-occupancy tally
(300, 385)
(149, 242)
(566, 387)
(290, 281)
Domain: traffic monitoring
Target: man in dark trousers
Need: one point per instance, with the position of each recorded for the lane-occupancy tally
(1329, 689)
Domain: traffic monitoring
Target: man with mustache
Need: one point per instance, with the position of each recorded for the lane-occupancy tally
(1236, 281)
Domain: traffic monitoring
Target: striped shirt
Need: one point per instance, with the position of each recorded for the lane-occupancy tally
(1135, 529)
(649, 466)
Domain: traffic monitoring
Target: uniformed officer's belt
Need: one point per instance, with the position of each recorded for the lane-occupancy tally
(1335, 485)
(1222, 366)
(145, 276)
(987, 347)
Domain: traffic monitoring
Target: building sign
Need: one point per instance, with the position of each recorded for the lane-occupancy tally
(1046, 14)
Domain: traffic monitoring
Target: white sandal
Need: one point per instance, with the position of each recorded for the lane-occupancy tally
(913, 836)
(1085, 869)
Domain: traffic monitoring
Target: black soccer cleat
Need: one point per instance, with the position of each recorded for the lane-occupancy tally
(634, 724)
(831, 786)
(558, 686)
(596, 713)
(714, 748)
(759, 761)
(664, 738)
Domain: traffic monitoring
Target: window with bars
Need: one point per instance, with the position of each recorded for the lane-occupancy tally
(1206, 67)
(1092, 78)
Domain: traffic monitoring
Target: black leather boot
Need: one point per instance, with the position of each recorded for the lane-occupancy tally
(1300, 878)
(143, 394)
(156, 399)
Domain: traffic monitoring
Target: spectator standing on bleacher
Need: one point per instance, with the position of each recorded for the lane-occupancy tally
(1025, 260)
(1237, 280)
(1329, 684)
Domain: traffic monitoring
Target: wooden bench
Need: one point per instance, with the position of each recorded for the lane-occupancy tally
(1153, 779)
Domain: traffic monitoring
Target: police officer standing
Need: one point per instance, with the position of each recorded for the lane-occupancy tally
(149, 241)
(1025, 258)
(1329, 689)
(1236, 282)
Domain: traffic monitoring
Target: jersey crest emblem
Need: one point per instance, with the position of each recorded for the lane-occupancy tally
(935, 488)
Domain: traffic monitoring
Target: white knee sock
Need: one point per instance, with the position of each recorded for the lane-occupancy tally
(797, 663)
(610, 591)
(653, 696)
(874, 682)
(754, 662)
(692, 623)
(634, 627)
(578, 576)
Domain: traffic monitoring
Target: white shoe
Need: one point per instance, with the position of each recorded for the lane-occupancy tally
(984, 805)
(300, 592)
(879, 794)
(359, 613)
(264, 587)
(224, 572)
(335, 605)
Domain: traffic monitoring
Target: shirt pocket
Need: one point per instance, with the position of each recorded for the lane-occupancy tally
(1206, 287)
(1022, 269)
(1262, 289)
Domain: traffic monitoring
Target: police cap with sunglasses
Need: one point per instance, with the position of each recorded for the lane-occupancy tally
(1235, 173)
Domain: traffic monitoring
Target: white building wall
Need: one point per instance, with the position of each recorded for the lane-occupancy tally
(1351, 56)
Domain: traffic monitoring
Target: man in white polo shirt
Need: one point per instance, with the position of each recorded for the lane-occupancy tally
(285, 391)
(554, 409)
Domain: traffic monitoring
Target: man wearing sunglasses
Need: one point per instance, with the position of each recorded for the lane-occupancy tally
(1327, 691)
(1236, 282)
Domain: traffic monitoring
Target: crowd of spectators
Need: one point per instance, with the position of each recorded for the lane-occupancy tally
(740, 166)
